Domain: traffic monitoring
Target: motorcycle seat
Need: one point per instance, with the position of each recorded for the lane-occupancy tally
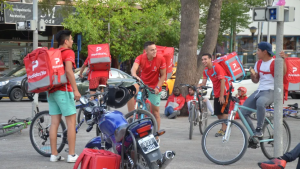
(294, 105)
(120, 132)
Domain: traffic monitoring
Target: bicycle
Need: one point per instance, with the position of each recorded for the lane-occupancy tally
(42, 122)
(141, 107)
(290, 111)
(13, 125)
(238, 147)
(197, 104)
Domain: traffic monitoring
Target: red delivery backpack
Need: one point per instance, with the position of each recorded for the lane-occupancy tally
(168, 54)
(292, 77)
(45, 69)
(99, 57)
(98, 159)
(232, 66)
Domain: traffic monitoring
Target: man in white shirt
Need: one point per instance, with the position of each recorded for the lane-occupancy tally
(264, 74)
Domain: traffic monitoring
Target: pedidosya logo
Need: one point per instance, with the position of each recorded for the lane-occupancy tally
(34, 64)
(98, 49)
(56, 62)
(235, 68)
(294, 70)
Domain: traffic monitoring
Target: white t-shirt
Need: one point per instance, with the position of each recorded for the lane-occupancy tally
(266, 81)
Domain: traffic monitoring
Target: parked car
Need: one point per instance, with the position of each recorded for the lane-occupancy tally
(167, 87)
(11, 86)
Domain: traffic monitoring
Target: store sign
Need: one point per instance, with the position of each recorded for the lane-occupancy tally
(23, 11)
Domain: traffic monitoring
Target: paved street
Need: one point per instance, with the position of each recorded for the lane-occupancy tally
(16, 150)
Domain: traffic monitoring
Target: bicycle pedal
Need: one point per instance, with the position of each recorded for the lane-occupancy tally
(67, 150)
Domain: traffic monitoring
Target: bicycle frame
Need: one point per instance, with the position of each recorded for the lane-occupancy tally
(243, 119)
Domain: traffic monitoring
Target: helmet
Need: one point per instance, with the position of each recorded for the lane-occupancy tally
(243, 90)
(119, 96)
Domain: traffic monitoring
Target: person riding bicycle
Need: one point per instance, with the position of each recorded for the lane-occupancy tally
(264, 95)
(95, 78)
(280, 162)
(174, 104)
(153, 74)
(190, 97)
(61, 100)
(217, 75)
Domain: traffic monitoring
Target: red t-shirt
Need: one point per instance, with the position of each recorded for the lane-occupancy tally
(67, 55)
(216, 74)
(150, 70)
(177, 99)
(189, 98)
(94, 74)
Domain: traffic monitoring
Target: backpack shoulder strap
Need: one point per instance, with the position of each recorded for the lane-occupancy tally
(272, 66)
(258, 66)
(80, 160)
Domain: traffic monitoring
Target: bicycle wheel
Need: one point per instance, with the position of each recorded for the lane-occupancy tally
(224, 152)
(203, 119)
(8, 129)
(268, 147)
(79, 115)
(191, 119)
(39, 134)
(130, 117)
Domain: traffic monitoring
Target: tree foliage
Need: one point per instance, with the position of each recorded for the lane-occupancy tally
(234, 15)
(130, 25)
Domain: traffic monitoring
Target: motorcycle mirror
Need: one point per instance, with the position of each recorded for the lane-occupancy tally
(84, 100)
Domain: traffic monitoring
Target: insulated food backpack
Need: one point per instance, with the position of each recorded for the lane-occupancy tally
(99, 57)
(232, 66)
(45, 69)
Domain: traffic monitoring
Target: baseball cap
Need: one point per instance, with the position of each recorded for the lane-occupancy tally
(266, 46)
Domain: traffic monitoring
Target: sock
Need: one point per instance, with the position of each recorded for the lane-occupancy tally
(73, 155)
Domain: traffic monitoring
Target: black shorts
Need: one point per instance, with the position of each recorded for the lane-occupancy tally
(218, 107)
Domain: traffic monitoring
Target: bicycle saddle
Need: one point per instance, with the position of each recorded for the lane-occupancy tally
(293, 105)
(120, 132)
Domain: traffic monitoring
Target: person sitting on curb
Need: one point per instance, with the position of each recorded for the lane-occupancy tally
(174, 104)
(280, 162)
(190, 97)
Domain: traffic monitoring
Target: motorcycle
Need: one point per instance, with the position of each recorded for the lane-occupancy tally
(135, 142)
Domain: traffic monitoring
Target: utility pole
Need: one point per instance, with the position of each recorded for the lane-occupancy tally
(278, 92)
(35, 46)
(269, 3)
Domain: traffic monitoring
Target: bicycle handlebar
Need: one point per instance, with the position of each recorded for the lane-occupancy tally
(141, 83)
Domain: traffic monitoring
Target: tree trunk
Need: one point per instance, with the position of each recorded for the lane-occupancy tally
(234, 38)
(212, 29)
(187, 59)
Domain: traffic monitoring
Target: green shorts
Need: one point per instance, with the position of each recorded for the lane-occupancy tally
(61, 102)
(154, 98)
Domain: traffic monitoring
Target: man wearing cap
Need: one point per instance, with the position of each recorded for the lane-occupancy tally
(264, 74)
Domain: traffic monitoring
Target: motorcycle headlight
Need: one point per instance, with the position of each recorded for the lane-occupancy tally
(4, 83)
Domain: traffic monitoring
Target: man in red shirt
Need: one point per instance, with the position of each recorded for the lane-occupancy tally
(61, 100)
(220, 85)
(95, 78)
(174, 104)
(153, 74)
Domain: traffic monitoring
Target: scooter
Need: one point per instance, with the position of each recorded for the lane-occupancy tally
(134, 142)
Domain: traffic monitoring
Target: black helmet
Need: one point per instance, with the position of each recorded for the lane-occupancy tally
(119, 96)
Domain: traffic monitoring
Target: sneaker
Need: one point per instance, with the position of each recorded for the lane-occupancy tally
(273, 164)
(72, 158)
(258, 132)
(55, 158)
(220, 133)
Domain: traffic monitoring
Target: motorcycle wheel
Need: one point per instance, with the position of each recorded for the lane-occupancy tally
(143, 163)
